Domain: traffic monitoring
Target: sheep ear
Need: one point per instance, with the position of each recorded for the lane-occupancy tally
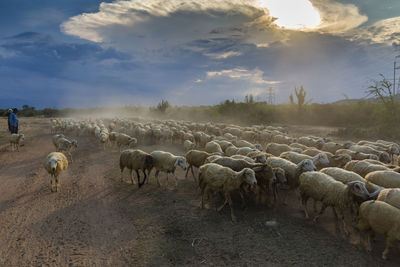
(176, 163)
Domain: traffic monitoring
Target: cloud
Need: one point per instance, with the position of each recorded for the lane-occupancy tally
(385, 31)
(338, 18)
(254, 76)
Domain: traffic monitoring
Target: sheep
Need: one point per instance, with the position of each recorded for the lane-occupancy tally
(346, 177)
(15, 140)
(217, 178)
(363, 167)
(231, 150)
(55, 163)
(383, 156)
(320, 160)
(268, 179)
(195, 158)
(245, 150)
(277, 149)
(223, 144)
(167, 162)
(235, 164)
(211, 158)
(382, 218)
(356, 155)
(135, 160)
(243, 157)
(56, 137)
(257, 156)
(188, 145)
(298, 145)
(322, 187)
(385, 178)
(125, 140)
(212, 147)
(338, 160)
(64, 144)
(292, 171)
(390, 196)
(311, 142)
(331, 147)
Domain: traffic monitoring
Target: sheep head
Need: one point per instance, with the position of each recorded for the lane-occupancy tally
(359, 190)
(384, 157)
(375, 194)
(248, 176)
(181, 161)
(321, 158)
(307, 165)
(74, 143)
(342, 159)
(280, 175)
(53, 164)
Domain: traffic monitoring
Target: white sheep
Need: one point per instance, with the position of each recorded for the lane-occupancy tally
(54, 164)
(390, 196)
(188, 145)
(167, 162)
(125, 140)
(212, 147)
(320, 160)
(15, 140)
(277, 149)
(385, 178)
(363, 167)
(217, 178)
(381, 218)
(346, 177)
(322, 187)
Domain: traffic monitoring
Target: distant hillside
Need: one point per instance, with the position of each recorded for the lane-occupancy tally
(372, 100)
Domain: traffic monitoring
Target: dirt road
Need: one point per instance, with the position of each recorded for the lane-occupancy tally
(98, 221)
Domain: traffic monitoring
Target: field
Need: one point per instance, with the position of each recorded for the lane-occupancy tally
(97, 220)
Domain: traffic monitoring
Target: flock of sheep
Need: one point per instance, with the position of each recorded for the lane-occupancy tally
(360, 181)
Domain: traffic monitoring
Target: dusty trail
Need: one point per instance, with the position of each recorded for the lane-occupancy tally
(98, 221)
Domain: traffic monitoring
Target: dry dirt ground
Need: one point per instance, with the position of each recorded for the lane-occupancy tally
(98, 221)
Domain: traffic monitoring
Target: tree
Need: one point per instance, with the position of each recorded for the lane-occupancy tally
(162, 106)
(382, 89)
(249, 99)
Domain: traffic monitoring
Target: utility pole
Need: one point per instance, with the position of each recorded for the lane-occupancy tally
(271, 96)
(394, 74)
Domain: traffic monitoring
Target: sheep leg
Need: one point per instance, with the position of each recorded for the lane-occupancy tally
(320, 212)
(304, 200)
(138, 179)
(131, 175)
(56, 182)
(243, 197)
(70, 155)
(228, 197)
(389, 243)
(144, 179)
(121, 174)
(346, 231)
(223, 205)
(158, 179)
(369, 237)
(176, 180)
(187, 171)
(166, 185)
(51, 182)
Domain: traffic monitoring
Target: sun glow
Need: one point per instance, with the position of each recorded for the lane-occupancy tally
(292, 14)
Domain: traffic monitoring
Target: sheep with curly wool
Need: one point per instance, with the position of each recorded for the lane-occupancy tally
(135, 160)
(322, 187)
(55, 163)
(216, 178)
(381, 218)
(167, 162)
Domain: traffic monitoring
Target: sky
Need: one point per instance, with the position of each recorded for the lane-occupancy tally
(87, 53)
